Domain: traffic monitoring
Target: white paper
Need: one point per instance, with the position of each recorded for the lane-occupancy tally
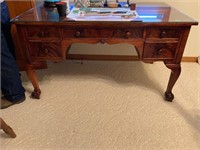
(102, 14)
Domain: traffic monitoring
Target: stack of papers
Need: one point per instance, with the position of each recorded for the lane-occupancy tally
(102, 14)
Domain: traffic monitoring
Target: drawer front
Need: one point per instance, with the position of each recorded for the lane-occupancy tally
(43, 32)
(43, 50)
(163, 32)
(102, 33)
(160, 50)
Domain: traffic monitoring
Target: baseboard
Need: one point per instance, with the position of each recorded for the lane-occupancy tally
(189, 59)
(117, 57)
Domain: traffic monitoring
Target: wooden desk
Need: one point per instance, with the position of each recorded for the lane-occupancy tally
(160, 36)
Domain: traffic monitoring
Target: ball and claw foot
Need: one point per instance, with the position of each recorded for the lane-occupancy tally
(169, 96)
(36, 94)
(10, 132)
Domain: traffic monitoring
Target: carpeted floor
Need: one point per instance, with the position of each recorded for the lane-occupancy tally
(107, 105)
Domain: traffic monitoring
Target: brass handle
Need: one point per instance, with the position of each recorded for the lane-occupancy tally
(41, 34)
(163, 34)
(44, 51)
(103, 41)
(160, 51)
(78, 34)
(128, 34)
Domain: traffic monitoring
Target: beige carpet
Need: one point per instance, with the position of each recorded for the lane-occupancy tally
(107, 105)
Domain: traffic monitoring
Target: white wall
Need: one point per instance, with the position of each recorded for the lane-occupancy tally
(192, 9)
(189, 7)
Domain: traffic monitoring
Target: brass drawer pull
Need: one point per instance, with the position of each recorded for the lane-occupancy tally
(160, 51)
(163, 34)
(103, 41)
(78, 34)
(128, 34)
(44, 51)
(41, 34)
(157, 53)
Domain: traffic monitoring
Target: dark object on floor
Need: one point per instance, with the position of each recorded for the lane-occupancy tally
(7, 129)
(6, 103)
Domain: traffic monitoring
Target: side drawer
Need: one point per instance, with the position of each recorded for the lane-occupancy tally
(103, 33)
(45, 50)
(160, 50)
(163, 32)
(44, 32)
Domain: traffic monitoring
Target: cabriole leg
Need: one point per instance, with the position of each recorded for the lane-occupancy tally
(175, 72)
(33, 78)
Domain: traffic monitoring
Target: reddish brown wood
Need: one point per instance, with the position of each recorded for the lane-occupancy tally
(45, 37)
(175, 72)
(33, 78)
(102, 57)
(7, 129)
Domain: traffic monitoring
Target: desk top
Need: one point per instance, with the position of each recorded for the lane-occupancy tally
(157, 13)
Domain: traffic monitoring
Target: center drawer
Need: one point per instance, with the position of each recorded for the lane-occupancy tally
(102, 33)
